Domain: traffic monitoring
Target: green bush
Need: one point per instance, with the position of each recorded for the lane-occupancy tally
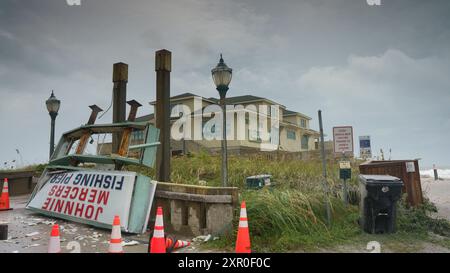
(420, 219)
(282, 220)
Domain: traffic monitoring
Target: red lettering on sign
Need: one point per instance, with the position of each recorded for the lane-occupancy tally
(59, 206)
(92, 196)
(89, 211)
(74, 193)
(99, 210)
(47, 201)
(69, 207)
(66, 192)
(59, 191)
(103, 196)
(79, 210)
(51, 206)
(83, 194)
(52, 191)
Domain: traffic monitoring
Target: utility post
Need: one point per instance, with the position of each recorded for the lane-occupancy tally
(163, 67)
(345, 172)
(324, 167)
(120, 80)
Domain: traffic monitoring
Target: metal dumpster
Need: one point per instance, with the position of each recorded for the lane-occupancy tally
(378, 204)
(406, 170)
(258, 181)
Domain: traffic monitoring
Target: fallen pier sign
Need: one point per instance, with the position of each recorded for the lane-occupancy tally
(92, 188)
(95, 197)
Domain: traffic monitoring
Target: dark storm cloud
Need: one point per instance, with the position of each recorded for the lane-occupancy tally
(383, 70)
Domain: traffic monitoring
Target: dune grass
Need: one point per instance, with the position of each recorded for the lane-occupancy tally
(291, 215)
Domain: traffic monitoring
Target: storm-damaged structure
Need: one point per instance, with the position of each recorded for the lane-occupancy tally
(84, 184)
(85, 187)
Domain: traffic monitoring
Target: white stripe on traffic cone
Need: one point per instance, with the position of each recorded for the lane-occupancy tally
(54, 246)
(115, 244)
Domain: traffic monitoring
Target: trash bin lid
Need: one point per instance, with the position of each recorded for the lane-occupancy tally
(379, 179)
(259, 176)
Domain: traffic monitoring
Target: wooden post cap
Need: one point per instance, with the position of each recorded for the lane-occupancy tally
(120, 72)
(163, 60)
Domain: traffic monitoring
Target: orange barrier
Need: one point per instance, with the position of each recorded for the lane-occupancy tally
(243, 236)
(54, 245)
(115, 244)
(4, 198)
(173, 243)
(157, 243)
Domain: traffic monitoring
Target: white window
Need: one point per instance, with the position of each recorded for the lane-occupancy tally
(290, 134)
(303, 123)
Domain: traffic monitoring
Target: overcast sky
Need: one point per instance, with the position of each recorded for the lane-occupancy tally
(383, 69)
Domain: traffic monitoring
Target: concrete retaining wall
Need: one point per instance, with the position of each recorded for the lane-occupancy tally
(19, 182)
(195, 210)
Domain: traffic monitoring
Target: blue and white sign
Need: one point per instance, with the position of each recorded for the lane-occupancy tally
(365, 149)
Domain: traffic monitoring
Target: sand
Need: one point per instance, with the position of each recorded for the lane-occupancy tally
(439, 193)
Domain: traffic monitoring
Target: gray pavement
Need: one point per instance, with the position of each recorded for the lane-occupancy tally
(29, 232)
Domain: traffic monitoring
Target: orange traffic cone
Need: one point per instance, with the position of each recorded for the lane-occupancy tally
(173, 243)
(54, 245)
(115, 244)
(157, 243)
(4, 198)
(243, 236)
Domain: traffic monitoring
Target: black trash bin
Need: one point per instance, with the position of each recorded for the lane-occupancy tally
(378, 205)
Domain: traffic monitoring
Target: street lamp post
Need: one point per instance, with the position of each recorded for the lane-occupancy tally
(222, 75)
(53, 107)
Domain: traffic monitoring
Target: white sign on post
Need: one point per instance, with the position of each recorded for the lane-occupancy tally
(88, 195)
(343, 140)
(410, 168)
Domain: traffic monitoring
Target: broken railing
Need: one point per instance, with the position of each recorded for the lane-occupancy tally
(84, 181)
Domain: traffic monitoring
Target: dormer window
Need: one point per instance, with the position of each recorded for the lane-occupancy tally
(303, 123)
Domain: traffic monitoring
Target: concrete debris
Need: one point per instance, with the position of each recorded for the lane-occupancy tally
(79, 238)
(35, 239)
(32, 234)
(202, 238)
(199, 238)
(71, 231)
(129, 243)
(96, 235)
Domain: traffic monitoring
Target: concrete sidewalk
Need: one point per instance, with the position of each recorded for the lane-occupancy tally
(29, 233)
